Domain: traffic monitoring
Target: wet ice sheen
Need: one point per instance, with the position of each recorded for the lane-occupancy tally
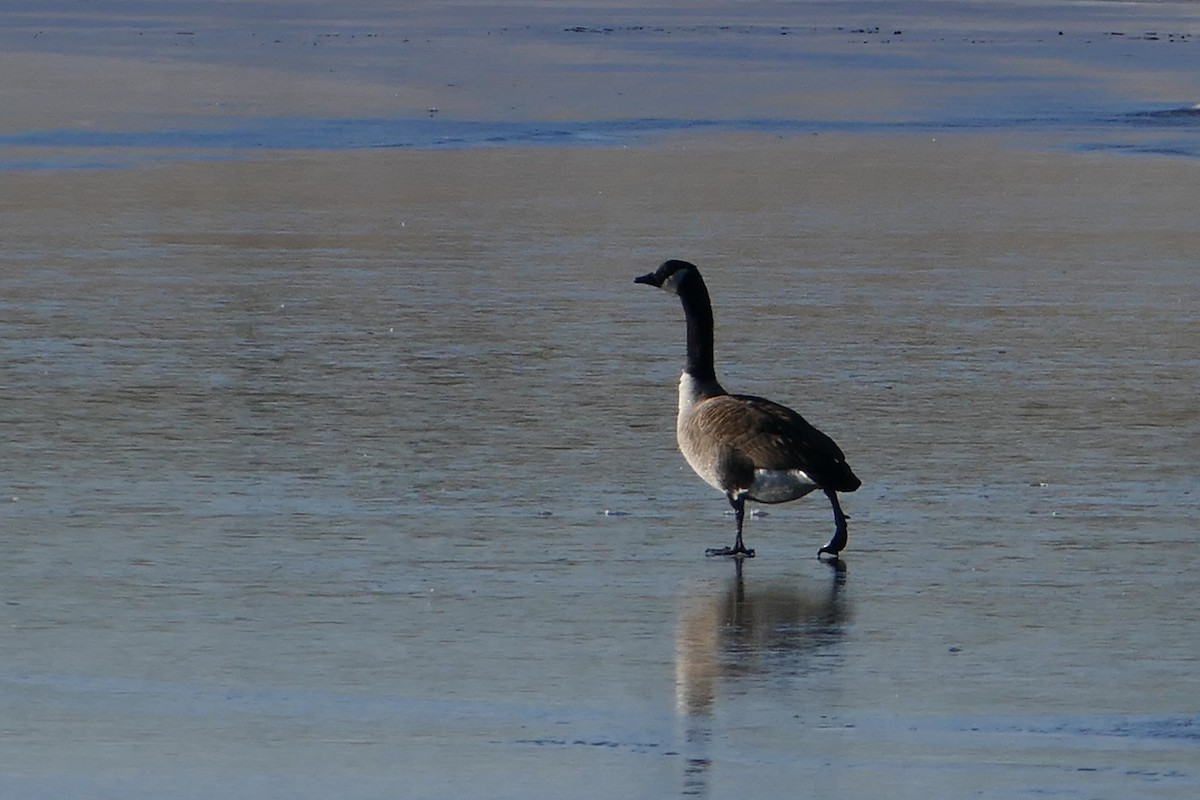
(352, 474)
(327, 508)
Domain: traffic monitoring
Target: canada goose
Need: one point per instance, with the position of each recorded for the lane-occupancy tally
(747, 447)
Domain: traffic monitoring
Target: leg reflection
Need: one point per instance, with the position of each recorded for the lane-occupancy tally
(758, 637)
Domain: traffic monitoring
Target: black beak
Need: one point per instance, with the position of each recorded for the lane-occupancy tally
(649, 278)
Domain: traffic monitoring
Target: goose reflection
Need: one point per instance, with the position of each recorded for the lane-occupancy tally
(746, 632)
(749, 634)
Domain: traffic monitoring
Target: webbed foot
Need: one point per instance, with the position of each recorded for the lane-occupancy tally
(835, 546)
(735, 552)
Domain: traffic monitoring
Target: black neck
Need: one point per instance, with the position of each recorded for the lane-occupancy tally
(697, 308)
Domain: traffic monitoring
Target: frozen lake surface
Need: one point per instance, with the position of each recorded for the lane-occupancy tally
(341, 471)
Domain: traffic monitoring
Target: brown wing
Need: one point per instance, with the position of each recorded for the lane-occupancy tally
(772, 436)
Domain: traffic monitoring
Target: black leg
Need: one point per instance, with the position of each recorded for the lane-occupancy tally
(738, 549)
(838, 542)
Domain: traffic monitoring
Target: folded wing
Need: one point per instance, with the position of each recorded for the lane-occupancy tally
(773, 437)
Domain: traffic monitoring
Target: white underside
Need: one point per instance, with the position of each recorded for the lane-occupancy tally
(779, 485)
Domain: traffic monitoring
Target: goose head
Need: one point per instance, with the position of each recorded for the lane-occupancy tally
(672, 276)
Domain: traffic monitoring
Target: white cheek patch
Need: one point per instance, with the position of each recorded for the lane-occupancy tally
(671, 284)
